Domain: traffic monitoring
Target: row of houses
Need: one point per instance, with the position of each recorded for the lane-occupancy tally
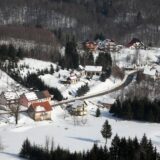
(106, 44)
(37, 103)
(110, 45)
(87, 71)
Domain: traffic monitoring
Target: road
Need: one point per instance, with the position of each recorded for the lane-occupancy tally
(126, 81)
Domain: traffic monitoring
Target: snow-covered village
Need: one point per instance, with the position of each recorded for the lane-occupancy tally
(76, 89)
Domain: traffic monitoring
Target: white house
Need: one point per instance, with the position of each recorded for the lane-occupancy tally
(93, 70)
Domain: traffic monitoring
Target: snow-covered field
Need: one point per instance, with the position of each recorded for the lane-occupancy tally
(73, 137)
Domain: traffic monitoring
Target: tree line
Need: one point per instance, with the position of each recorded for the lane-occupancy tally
(9, 52)
(119, 20)
(141, 109)
(120, 149)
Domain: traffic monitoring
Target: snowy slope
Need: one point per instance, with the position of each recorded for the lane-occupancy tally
(125, 56)
(6, 82)
(53, 80)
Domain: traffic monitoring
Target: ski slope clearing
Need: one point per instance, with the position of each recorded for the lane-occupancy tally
(75, 134)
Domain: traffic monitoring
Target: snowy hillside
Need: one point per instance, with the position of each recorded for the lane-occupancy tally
(125, 57)
(53, 80)
(6, 82)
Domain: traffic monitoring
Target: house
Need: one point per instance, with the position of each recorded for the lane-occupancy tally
(93, 70)
(78, 108)
(72, 79)
(40, 111)
(107, 44)
(110, 45)
(135, 44)
(90, 45)
(29, 98)
(9, 99)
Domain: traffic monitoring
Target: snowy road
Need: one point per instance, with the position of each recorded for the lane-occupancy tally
(127, 79)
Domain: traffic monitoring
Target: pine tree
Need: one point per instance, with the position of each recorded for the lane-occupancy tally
(98, 112)
(51, 69)
(26, 149)
(20, 53)
(89, 59)
(106, 130)
(114, 149)
(11, 51)
(71, 54)
(103, 77)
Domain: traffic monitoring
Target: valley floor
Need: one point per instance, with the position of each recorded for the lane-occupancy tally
(75, 134)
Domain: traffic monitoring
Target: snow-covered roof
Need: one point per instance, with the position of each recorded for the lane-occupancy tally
(37, 95)
(77, 103)
(31, 96)
(93, 68)
(11, 95)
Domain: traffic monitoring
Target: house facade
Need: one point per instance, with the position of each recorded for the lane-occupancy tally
(40, 111)
(73, 78)
(90, 45)
(135, 44)
(29, 98)
(9, 99)
(93, 70)
(79, 108)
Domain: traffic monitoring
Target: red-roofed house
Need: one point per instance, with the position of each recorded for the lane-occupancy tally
(90, 45)
(40, 111)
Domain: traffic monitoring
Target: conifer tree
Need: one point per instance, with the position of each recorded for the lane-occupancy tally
(106, 130)
(98, 112)
(26, 149)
